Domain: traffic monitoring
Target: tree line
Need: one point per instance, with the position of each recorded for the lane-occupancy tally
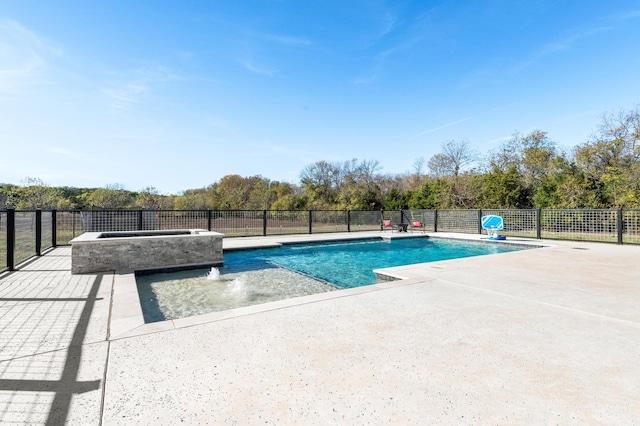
(527, 171)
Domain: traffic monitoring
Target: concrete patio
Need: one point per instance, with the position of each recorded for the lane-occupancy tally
(543, 336)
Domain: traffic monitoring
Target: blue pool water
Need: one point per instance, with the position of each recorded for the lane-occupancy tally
(252, 277)
(351, 263)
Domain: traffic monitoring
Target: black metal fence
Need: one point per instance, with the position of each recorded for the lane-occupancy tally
(24, 234)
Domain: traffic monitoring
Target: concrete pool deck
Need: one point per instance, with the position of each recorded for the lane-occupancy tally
(550, 335)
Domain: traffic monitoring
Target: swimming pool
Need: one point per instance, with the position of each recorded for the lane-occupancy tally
(261, 275)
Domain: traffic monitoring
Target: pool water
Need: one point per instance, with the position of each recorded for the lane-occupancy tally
(257, 276)
(173, 295)
(351, 264)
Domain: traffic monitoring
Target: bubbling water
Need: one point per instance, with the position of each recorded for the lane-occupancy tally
(188, 293)
(214, 274)
(237, 287)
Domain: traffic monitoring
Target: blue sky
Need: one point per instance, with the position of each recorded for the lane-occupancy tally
(177, 94)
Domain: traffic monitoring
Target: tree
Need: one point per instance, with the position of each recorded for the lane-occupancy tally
(530, 157)
(111, 197)
(288, 202)
(465, 191)
(359, 190)
(192, 199)
(396, 200)
(149, 198)
(235, 192)
(322, 181)
(418, 166)
(538, 153)
(35, 194)
(434, 194)
(72, 198)
(451, 161)
(5, 194)
(285, 196)
(574, 190)
(347, 185)
(530, 154)
(612, 158)
(439, 166)
(503, 190)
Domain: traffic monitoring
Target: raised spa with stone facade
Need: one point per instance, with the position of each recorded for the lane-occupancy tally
(145, 250)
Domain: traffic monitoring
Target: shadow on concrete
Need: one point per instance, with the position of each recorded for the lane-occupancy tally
(68, 385)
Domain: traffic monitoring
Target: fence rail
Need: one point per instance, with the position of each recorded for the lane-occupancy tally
(26, 233)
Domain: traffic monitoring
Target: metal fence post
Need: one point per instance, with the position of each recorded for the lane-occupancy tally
(348, 220)
(539, 224)
(264, 223)
(54, 227)
(480, 221)
(11, 238)
(208, 219)
(619, 225)
(435, 220)
(38, 232)
(310, 220)
(140, 220)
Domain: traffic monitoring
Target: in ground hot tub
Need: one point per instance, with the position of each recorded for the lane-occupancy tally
(140, 250)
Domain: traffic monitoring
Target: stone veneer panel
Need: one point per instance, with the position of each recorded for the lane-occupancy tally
(153, 250)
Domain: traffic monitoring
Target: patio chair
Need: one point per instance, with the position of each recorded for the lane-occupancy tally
(416, 222)
(412, 221)
(386, 223)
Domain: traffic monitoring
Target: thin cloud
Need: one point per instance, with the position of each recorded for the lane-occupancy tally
(624, 16)
(400, 48)
(126, 89)
(396, 38)
(576, 116)
(152, 135)
(494, 77)
(560, 45)
(414, 31)
(563, 44)
(502, 139)
(63, 152)
(444, 126)
(219, 123)
(389, 22)
(130, 137)
(184, 55)
(125, 93)
(256, 42)
(23, 55)
(568, 42)
(286, 40)
(250, 66)
(266, 148)
(364, 80)
(501, 107)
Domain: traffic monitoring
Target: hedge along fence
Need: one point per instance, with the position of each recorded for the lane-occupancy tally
(24, 234)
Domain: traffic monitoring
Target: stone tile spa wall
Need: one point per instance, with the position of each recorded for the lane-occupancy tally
(134, 251)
